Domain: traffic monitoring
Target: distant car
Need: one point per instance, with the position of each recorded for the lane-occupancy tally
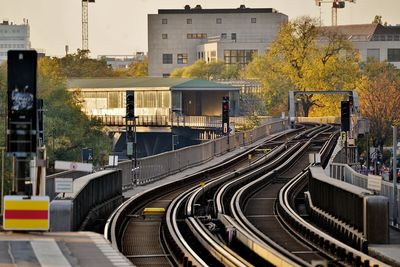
(398, 175)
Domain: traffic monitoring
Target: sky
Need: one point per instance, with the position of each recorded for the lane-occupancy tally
(119, 27)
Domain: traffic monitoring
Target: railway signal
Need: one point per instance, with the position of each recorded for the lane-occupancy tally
(225, 115)
(130, 105)
(22, 103)
(345, 116)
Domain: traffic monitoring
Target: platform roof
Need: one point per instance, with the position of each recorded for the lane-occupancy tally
(174, 84)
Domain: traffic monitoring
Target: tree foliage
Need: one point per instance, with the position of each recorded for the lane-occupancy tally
(208, 71)
(379, 98)
(80, 65)
(135, 69)
(67, 129)
(305, 57)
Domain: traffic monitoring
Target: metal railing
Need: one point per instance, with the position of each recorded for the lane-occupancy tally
(68, 211)
(345, 173)
(175, 120)
(159, 166)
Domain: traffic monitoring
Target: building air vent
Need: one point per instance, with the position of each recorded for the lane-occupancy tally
(187, 7)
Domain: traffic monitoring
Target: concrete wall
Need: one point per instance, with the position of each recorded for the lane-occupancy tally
(383, 46)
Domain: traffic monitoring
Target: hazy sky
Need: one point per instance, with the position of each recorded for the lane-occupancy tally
(120, 26)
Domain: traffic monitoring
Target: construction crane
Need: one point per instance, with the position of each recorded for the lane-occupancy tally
(335, 5)
(85, 24)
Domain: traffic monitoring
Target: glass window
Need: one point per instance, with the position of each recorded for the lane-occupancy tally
(253, 20)
(393, 54)
(113, 100)
(223, 35)
(182, 58)
(166, 75)
(219, 21)
(373, 53)
(164, 21)
(167, 58)
(233, 36)
(164, 36)
(150, 99)
(196, 35)
(139, 99)
(241, 57)
(188, 21)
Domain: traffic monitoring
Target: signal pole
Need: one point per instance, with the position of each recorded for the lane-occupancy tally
(131, 138)
(394, 165)
(225, 116)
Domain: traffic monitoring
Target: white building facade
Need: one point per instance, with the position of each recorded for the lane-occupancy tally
(374, 41)
(179, 37)
(13, 37)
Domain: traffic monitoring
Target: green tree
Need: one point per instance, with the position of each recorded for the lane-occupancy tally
(67, 129)
(135, 69)
(305, 57)
(80, 65)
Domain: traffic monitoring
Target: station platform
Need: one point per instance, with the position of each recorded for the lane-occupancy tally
(58, 249)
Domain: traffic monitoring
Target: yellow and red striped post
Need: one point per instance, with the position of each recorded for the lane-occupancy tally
(23, 213)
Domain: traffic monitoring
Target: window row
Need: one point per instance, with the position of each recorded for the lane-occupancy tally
(217, 21)
(393, 54)
(12, 45)
(242, 57)
(384, 37)
(202, 36)
(180, 58)
(9, 31)
(143, 99)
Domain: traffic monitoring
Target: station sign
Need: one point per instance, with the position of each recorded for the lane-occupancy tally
(73, 166)
(26, 213)
(374, 182)
(63, 185)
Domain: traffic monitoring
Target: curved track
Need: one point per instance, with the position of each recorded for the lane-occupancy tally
(236, 217)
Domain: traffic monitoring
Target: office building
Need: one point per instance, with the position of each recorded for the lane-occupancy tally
(179, 37)
(13, 37)
(373, 41)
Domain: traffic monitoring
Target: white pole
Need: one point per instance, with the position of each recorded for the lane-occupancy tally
(395, 211)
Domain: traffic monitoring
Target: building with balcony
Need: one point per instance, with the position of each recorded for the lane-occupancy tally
(179, 37)
(373, 40)
(13, 37)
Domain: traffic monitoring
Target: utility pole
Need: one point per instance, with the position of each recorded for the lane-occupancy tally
(394, 165)
(85, 24)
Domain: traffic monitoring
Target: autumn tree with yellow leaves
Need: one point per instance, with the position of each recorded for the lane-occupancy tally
(305, 57)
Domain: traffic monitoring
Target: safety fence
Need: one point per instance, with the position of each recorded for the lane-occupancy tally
(345, 173)
(175, 120)
(159, 166)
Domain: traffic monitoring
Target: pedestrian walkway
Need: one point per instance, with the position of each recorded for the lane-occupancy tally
(67, 249)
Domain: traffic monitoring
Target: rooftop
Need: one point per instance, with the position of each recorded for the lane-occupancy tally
(199, 10)
(147, 82)
(366, 30)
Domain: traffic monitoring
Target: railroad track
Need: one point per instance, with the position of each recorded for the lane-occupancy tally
(220, 223)
(140, 238)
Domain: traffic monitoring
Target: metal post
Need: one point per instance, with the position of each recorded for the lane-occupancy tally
(2, 179)
(345, 147)
(395, 211)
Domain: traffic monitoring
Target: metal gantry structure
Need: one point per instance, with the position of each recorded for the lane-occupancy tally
(335, 5)
(85, 24)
